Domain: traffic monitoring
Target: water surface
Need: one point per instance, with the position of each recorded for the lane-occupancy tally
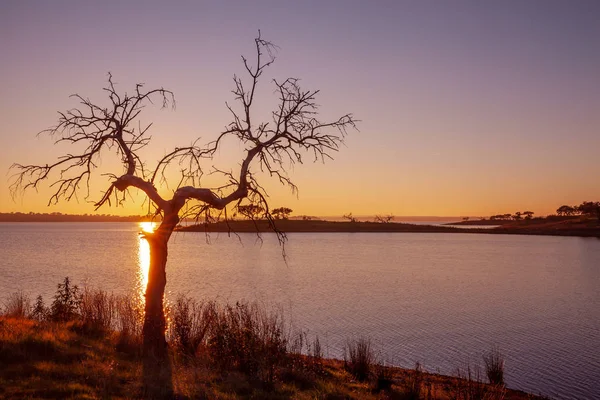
(439, 299)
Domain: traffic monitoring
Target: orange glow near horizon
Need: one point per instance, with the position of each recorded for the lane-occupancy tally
(457, 121)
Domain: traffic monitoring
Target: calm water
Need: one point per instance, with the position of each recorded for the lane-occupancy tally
(440, 299)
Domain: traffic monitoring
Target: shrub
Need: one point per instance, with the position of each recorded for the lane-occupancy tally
(494, 366)
(383, 377)
(129, 321)
(67, 300)
(317, 351)
(40, 311)
(413, 386)
(248, 338)
(190, 322)
(97, 309)
(358, 357)
(469, 386)
(17, 305)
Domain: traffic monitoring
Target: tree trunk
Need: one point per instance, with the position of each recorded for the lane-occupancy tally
(157, 367)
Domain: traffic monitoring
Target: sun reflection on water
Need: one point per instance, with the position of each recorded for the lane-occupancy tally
(148, 226)
(143, 260)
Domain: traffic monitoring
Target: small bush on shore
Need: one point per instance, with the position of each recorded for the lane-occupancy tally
(67, 301)
(129, 321)
(413, 385)
(383, 377)
(470, 386)
(358, 358)
(248, 338)
(97, 309)
(40, 311)
(190, 322)
(494, 366)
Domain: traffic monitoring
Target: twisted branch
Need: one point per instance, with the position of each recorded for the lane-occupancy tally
(270, 147)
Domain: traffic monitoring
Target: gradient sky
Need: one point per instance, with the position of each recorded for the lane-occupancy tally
(467, 107)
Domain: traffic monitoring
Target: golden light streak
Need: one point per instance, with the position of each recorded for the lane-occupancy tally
(144, 260)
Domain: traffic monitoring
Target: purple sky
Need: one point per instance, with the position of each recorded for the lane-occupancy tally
(467, 107)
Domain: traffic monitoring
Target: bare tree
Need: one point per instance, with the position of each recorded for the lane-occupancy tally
(349, 217)
(270, 146)
(384, 219)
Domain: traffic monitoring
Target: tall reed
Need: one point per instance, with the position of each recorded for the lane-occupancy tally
(18, 305)
(358, 358)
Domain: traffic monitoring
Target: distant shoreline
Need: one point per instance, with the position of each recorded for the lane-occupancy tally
(298, 226)
(58, 217)
(549, 226)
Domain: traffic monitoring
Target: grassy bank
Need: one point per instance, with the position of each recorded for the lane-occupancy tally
(87, 345)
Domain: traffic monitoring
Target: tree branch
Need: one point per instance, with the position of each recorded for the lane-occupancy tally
(100, 129)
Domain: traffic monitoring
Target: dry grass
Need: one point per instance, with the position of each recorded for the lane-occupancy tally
(97, 311)
(470, 386)
(494, 366)
(61, 361)
(18, 305)
(219, 351)
(50, 360)
(190, 323)
(359, 358)
(248, 338)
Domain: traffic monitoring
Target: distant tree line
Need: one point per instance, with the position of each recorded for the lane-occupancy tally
(253, 211)
(586, 208)
(60, 217)
(591, 208)
(517, 216)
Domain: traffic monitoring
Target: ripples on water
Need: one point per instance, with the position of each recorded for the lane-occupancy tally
(440, 299)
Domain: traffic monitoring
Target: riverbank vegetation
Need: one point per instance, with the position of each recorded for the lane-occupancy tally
(87, 344)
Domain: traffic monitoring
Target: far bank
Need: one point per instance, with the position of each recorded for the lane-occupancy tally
(541, 226)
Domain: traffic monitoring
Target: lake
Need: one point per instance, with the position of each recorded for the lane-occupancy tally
(434, 298)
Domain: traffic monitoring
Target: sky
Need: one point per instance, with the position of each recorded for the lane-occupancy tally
(466, 107)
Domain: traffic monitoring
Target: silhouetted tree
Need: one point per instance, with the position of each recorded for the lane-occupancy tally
(591, 208)
(566, 210)
(250, 211)
(40, 312)
(282, 212)
(517, 216)
(384, 219)
(67, 299)
(528, 214)
(349, 217)
(269, 146)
